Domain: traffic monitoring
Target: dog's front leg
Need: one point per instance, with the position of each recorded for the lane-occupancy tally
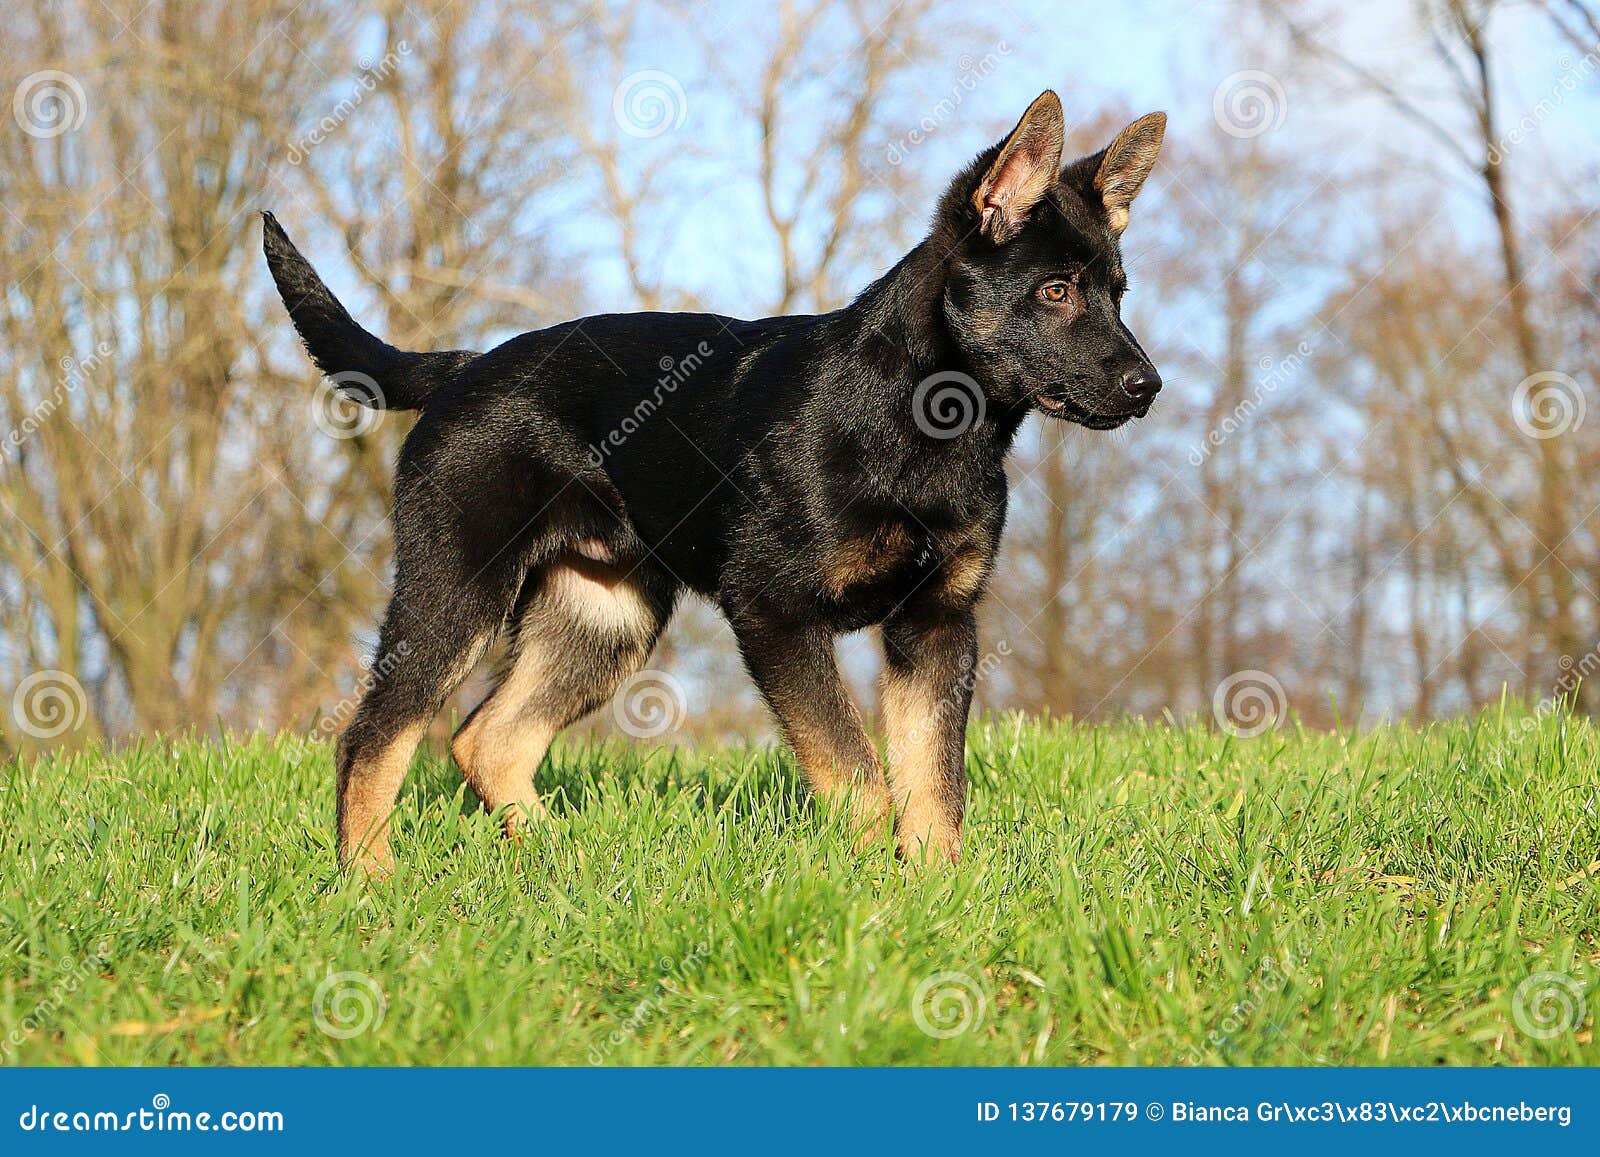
(927, 689)
(795, 669)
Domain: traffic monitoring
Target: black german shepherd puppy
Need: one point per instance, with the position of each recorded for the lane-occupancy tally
(813, 475)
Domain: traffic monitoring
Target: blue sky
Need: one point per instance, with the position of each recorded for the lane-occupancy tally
(709, 235)
(1140, 55)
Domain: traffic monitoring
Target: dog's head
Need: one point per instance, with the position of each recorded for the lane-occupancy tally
(1034, 289)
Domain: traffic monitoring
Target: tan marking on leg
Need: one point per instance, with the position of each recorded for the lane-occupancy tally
(914, 716)
(500, 748)
(367, 792)
(855, 784)
(369, 784)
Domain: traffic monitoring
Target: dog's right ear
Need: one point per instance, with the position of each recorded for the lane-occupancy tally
(1023, 171)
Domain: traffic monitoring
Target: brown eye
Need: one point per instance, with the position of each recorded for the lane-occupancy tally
(1055, 291)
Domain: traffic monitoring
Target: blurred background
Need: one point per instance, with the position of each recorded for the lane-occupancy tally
(1366, 266)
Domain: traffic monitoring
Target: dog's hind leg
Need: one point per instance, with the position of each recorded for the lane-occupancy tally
(419, 663)
(455, 587)
(430, 642)
(585, 625)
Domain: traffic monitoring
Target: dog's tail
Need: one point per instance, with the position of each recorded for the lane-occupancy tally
(363, 367)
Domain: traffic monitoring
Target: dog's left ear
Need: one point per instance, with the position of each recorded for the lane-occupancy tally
(1121, 167)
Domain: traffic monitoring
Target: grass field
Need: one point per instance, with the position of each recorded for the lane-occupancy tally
(1131, 894)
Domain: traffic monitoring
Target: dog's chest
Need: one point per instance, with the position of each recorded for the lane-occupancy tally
(871, 572)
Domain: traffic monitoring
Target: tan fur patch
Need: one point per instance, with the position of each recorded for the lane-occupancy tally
(366, 799)
(962, 571)
(859, 561)
(600, 596)
(853, 783)
(501, 746)
(986, 322)
(818, 752)
(913, 712)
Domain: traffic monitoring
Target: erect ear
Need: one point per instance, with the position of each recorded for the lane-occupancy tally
(1023, 172)
(1125, 164)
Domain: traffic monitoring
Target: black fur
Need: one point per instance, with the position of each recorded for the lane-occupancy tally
(776, 466)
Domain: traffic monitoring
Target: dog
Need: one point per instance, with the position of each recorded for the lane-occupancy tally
(813, 475)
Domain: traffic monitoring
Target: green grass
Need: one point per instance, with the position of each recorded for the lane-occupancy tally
(1131, 894)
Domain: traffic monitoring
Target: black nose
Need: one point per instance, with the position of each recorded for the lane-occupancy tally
(1142, 384)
